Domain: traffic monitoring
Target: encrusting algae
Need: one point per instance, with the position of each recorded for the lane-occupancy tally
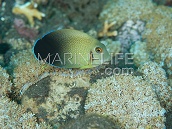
(29, 10)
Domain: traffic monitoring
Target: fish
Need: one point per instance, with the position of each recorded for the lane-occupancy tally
(68, 48)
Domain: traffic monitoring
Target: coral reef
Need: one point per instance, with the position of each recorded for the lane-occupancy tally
(54, 95)
(140, 53)
(1, 60)
(156, 75)
(157, 78)
(5, 84)
(158, 36)
(23, 30)
(91, 121)
(34, 94)
(16, 46)
(31, 69)
(163, 2)
(123, 10)
(157, 28)
(14, 116)
(128, 99)
(4, 47)
(29, 10)
(43, 2)
(168, 120)
(129, 33)
(34, 70)
(82, 14)
(5, 17)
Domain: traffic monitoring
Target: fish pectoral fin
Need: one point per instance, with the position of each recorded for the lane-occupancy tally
(91, 57)
(86, 67)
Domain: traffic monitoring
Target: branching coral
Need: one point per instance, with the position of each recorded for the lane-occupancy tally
(129, 99)
(29, 10)
(105, 31)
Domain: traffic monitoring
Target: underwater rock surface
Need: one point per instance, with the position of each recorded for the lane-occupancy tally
(92, 121)
(56, 105)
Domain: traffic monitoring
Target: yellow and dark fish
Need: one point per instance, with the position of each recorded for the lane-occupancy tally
(69, 48)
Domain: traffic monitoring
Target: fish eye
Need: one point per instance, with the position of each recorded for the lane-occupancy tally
(98, 49)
